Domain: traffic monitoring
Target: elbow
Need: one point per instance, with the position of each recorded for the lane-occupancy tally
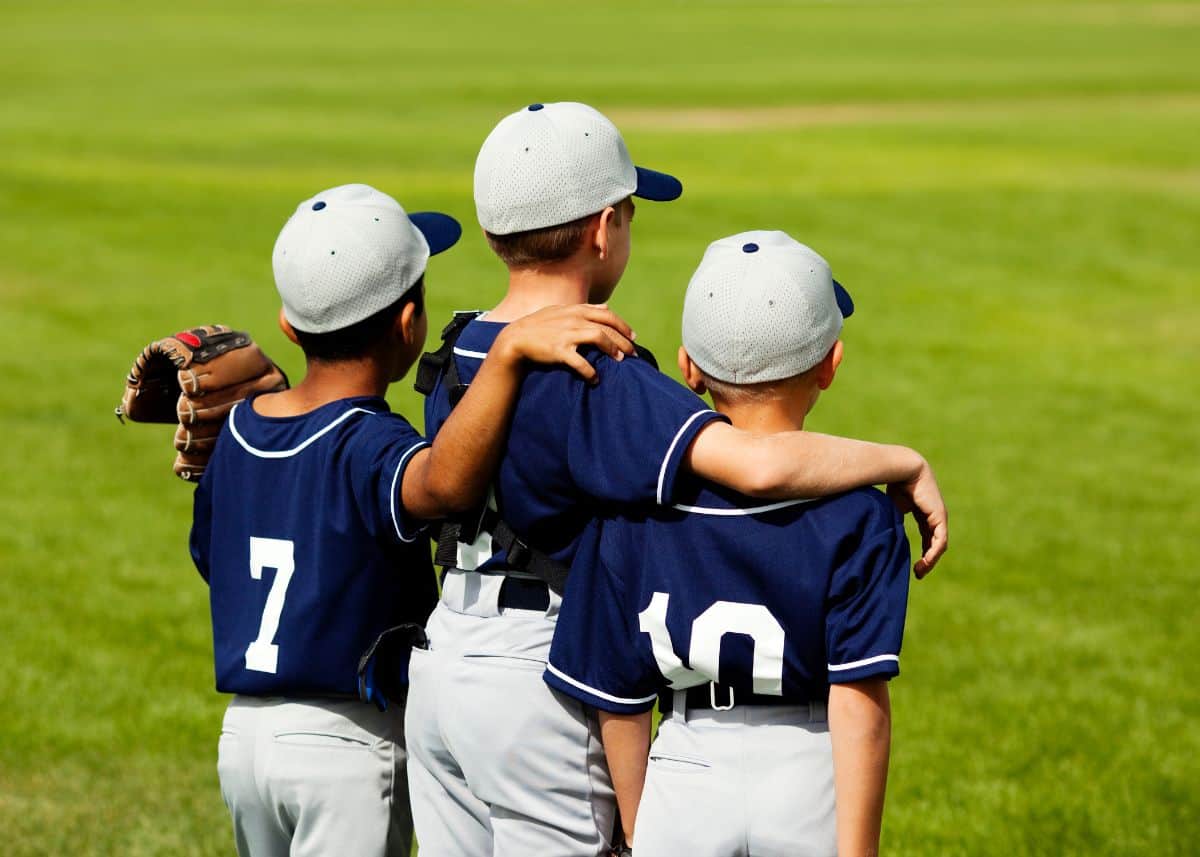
(450, 499)
(763, 476)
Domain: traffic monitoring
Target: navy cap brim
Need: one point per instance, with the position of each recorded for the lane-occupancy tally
(441, 231)
(844, 301)
(657, 186)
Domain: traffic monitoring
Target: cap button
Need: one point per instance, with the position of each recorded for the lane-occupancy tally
(536, 107)
(317, 206)
(750, 248)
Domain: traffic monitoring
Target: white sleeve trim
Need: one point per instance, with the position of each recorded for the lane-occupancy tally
(395, 478)
(864, 662)
(462, 352)
(749, 510)
(288, 453)
(598, 693)
(662, 471)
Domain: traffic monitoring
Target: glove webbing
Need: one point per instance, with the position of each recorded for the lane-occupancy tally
(520, 557)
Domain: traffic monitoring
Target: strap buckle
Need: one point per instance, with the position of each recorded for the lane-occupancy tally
(712, 697)
(518, 554)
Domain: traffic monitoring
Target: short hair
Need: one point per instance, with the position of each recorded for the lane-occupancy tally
(356, 341)
(760, 391)
(549, 244)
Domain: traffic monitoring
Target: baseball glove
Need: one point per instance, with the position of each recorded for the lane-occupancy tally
(193, 379)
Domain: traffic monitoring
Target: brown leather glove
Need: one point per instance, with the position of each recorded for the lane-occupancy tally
(194, 379)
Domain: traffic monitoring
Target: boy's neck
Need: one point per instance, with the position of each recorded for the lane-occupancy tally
(325, 382)
(770, 416)
(532, 289)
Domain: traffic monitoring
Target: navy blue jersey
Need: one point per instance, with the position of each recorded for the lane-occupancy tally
(308, 554)
(775, 600)
(576, 450)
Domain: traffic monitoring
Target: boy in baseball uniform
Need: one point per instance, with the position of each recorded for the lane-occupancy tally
(309, 525)
(769, 630)
(499, 762)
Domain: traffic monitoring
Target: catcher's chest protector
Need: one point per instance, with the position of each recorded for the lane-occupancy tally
(522, 559)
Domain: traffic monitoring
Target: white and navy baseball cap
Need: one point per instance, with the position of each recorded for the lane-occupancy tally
(549, 164)
(349, 252)
(762, 307)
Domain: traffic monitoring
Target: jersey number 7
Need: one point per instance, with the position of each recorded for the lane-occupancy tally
(262, 655)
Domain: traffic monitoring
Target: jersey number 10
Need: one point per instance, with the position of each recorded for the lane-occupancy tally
(262, 655)
(708, 629)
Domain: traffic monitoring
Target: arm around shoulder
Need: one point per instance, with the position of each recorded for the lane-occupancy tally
(798, 464)
(453, 475)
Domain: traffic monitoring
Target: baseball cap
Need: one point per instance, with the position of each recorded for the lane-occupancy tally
(349, 252)
(762, 307)
(549, 164)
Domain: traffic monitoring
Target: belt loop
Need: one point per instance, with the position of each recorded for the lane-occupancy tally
(712, 697)
(679, 705)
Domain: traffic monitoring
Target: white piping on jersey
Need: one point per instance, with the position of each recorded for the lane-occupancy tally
(462, 352)
(618, 699)
(662, 471)
(396, 476)
(750, 510)
(864, 662)
(288, 453)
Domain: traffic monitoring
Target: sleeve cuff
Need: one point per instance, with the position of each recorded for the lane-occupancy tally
(407, 529)
(594, 697)
(668, 474)
(879, 666)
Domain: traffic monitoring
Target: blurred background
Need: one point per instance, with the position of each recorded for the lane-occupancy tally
(1011, 191)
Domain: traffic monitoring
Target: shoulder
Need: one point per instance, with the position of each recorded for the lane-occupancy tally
(380, 429)
(865, 511)
(633, 366)
(632, 377)
(636, 375)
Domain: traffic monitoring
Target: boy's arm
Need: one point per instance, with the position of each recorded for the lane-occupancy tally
(808, 464)
(626, 739)
(860, 726)
(452, 474)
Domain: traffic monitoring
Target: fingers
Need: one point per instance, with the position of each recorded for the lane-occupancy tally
(601, 314)
(585, 370)
(613, 343)
(934, 542)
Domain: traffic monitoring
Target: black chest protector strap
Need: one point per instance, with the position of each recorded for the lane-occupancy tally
(521, 559)
(435, 364)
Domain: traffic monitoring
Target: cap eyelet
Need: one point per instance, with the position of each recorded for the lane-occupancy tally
(318, 205)
(750, 248)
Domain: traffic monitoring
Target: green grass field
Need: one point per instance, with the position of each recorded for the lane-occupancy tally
(1010, 190)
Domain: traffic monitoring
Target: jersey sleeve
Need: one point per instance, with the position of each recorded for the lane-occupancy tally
(597, 655)
(628, 433)
(865, 612)
(382, 453)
